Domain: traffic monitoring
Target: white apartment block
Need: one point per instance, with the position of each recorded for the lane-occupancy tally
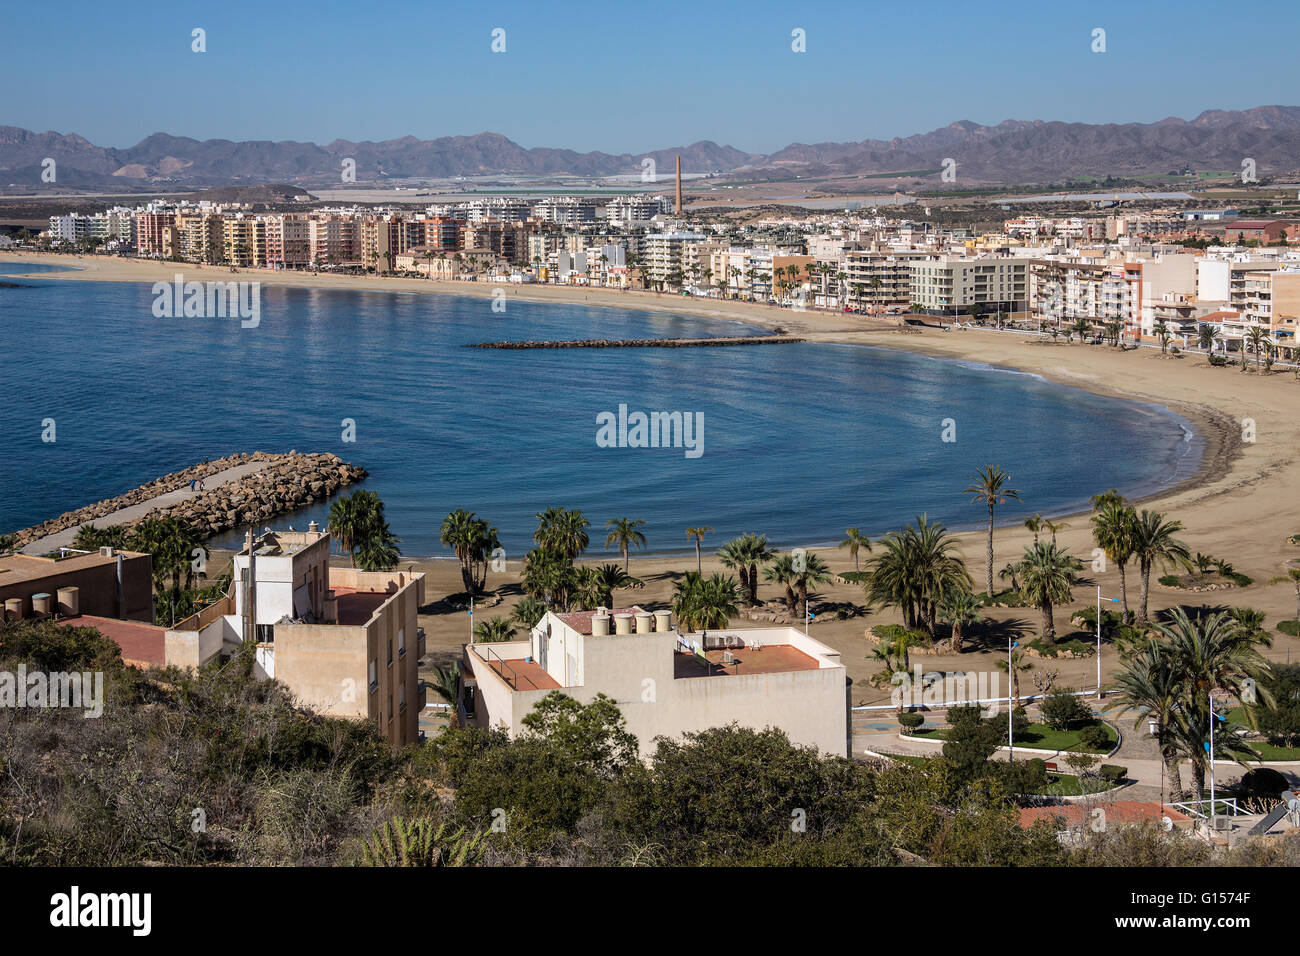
(662, 255)
(951, 284)
(665, 683)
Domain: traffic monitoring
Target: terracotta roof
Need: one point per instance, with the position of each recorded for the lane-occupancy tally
(1121, 811)
(143, 645)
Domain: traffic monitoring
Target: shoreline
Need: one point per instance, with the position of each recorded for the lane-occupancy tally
(1240, 505)
(1216, 428)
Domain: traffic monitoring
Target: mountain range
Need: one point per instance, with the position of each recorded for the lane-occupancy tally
(1014, 151)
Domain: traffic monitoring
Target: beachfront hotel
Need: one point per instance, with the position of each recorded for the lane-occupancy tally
(665, 683)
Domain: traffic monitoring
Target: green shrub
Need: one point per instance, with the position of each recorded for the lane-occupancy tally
(1112, 773)
(1218, 361)
(1171, 580)
(1061, 709)
(889, 633)
(1074, 646)
(1241, 580)
(910, 721)
(1095, 737)
(1289, 627)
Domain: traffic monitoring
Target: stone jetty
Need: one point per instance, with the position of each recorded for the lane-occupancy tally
(283, 483)
(641, 343)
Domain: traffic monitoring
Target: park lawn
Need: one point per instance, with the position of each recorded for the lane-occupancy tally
(1067, 785)
(1266, 750)
(1037, 737)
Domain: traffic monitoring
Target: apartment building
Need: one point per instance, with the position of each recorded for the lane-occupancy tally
(631, 210)
(666, 683)
(955, 284)
(879, 280)
(243, 240)
(288, 241)
(346, 642)
(567, 210)
(201, 233)
(333, 240)
(662, 258)
(155, 234)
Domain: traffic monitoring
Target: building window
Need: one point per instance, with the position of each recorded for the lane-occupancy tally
(390, 652)
(401, 642)
(374, 677)
(266, 633)
(401, 697)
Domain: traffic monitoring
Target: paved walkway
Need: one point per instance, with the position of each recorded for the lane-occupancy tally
(63, 539)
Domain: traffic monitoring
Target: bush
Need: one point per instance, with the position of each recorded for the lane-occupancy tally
(1281, 722)
(1170, 580)
(1262, 782)
(1218, 361)
(888, 633)
(1289, 627)
(1112, 773)
(1094, 737)
(1241, 580)
(910, 721)
(1061, 709)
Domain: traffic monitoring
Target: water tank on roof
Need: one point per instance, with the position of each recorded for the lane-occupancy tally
(69, 601)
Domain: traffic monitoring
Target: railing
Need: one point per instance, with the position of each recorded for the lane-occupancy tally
(1222, 805)
(513, 679)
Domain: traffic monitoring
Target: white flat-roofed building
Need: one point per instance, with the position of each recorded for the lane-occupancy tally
(665, 683)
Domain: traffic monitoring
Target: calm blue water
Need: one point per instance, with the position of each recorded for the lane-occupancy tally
(800, 441)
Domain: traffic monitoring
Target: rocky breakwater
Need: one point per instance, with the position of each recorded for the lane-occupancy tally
(295, 481)
(283, 483)
(641, 343)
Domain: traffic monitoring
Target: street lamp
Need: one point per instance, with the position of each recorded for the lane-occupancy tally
(1115, 601)
(1209, 749)
(1011, 710)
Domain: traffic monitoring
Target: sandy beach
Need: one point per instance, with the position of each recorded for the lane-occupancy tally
(1241, 506)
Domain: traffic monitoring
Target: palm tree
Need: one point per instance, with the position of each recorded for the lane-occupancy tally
(988, 486)
(528, 612)
(914, 570)
(815, 572)
(1257, 338)
(855, 541)
(1035, 524)
(344, 522)
(1208, 335)
(1047, 574)
(563, 531)
(1154, 544)
(493, 631)
(1009, 570)
(959, 609)
(599, 582)
(781, 571)
(91, 538)
(1161, 330)
(698, 534)
(1112, 529)
(700, 603)
(473, 541)
(1149, 685)
(1292, 577)
(745, 554)
(445, 682)
(623, 532)
(171, 543)
(1018, 665)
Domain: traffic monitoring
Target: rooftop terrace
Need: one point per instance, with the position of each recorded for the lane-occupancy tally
(769, 659)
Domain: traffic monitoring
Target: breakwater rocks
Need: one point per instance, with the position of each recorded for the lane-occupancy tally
(642, 343)
(282, 483)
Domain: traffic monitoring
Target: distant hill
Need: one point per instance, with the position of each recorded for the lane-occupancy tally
(1014, 151)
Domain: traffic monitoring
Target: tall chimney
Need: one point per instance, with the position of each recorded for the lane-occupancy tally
(679, 186)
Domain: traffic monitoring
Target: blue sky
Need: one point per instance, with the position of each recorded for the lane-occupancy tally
(630, 76)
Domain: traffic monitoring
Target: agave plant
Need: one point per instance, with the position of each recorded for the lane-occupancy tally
(419, 842)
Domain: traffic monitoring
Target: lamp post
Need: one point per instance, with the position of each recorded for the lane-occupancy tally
(1115, 601)
(1011, 708)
